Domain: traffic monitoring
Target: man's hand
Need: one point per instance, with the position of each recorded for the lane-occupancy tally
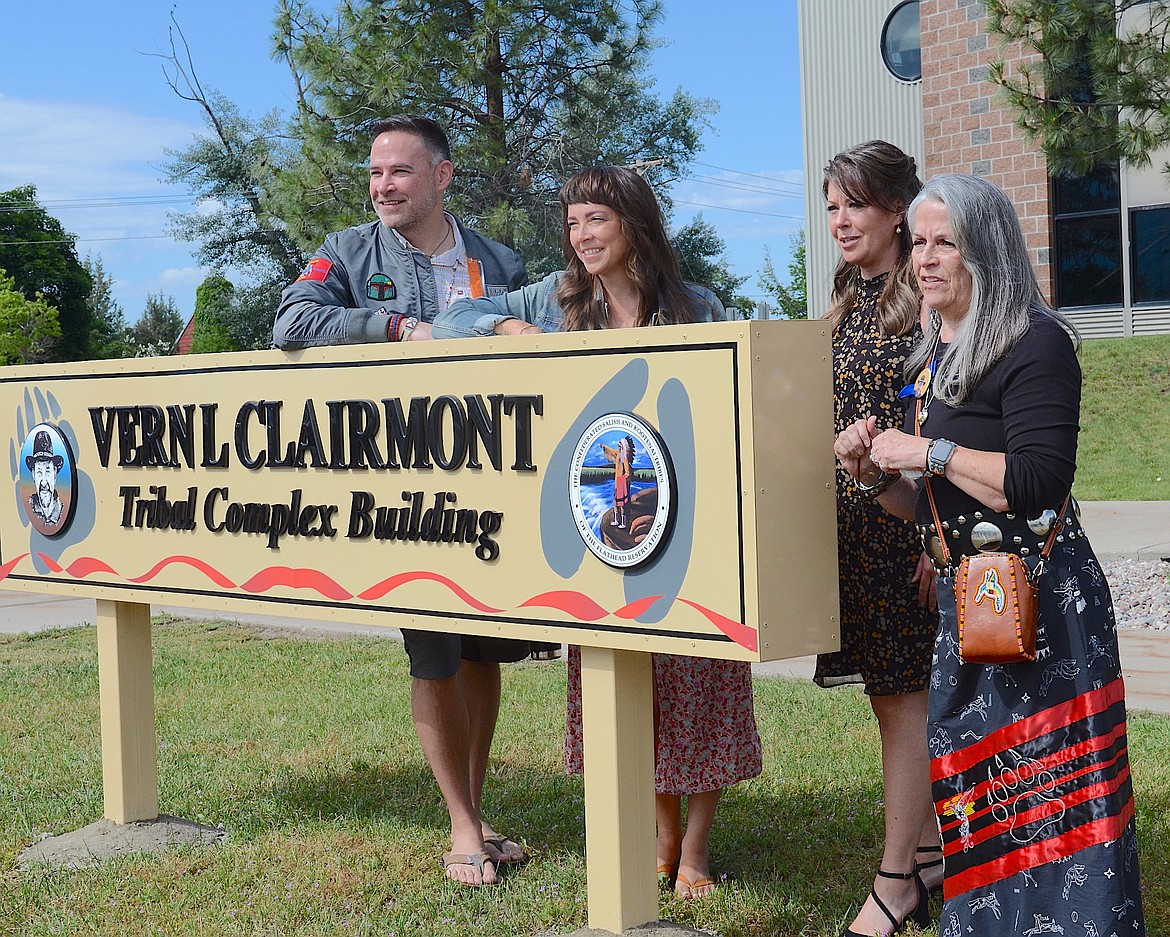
(420, 333)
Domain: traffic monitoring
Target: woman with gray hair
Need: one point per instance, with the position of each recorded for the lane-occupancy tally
(1028, 760)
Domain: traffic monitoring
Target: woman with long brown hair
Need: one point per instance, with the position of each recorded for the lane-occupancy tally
(620, 272)
(887, 623)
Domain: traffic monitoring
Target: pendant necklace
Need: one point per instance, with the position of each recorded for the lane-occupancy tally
(923, 387)
(922, 390)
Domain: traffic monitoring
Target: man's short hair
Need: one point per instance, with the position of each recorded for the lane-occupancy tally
(424, 128)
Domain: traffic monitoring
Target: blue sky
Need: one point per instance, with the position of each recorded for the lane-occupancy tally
(85, 115)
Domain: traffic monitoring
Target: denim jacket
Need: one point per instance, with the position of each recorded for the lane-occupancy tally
(537, 304)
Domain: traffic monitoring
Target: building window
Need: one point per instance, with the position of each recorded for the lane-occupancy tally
(1086, 227)
(1149, 235)
(902, 42)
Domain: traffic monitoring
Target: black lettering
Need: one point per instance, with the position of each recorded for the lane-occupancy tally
(435, 431)
(272, 424)
(485, 429)
(209, 509)
(127, 493)
(489, 524)
(102, 420)
(336, 434)
(327, 511)
(128, 451)
(407, 438)
(210, 460)
(360, 522)
(364, 423)
(524, 406)
(181, 422)
(241, 435)
(153, 423)
(310, 440)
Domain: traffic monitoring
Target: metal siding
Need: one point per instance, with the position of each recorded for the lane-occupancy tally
(847, 97)
(1099, 323)
(1151, 321)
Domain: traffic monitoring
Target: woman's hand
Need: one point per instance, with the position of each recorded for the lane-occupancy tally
(924, 579)
(894, 452)
(852, 448)
(516, 327)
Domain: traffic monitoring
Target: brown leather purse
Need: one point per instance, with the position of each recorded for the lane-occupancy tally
(996, 598)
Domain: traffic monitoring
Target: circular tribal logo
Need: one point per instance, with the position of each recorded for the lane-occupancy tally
(621, 490)
(48, 480)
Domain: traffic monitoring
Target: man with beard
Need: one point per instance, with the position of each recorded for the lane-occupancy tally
(44, 464)
(385, 281)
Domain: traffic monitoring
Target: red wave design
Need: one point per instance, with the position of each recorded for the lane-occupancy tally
(740, 633)
(11, 565)
(54, 566)
(634, 609)
(83, 566)
(380, 589)
(209, 571)
(296, 579)
(579, 606)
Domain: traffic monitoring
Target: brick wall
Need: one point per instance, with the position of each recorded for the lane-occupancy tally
(967, 127)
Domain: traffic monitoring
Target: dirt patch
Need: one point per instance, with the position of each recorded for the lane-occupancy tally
(108, 840)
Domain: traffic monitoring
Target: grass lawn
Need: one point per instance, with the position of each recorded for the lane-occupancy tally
(1124, 452)
(304, 751)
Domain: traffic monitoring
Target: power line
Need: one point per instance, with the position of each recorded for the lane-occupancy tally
(127, 237)
(740, 172)
(745, 186)
(742, 211)
(114, 201)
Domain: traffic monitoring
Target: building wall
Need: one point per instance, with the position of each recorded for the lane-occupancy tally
(847, 97)
(953, 120)
(966, 126)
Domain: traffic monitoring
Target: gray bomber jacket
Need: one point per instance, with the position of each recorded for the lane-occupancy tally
(362, 273)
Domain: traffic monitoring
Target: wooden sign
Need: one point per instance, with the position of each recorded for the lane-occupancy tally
(665, 489)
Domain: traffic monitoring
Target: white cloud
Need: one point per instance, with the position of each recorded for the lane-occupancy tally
(97, 169)
(72, 150)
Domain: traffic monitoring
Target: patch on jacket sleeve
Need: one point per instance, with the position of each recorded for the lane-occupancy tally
(317, 269)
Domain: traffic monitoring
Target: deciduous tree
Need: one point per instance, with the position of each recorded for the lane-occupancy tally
(28, 328)
(701, 259)
(41, 258)
(791, 297)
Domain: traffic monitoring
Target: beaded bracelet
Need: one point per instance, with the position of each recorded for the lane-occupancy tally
(392, 329)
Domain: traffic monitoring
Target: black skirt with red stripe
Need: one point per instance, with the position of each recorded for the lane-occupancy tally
(1030, 771)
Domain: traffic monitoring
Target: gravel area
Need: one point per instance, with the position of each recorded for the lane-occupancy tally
(1141, 593)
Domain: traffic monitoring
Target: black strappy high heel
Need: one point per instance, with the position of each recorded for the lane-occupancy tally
(920, 915)
(919, 866)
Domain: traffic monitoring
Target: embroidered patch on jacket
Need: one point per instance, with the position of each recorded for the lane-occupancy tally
(317, 269)
(380, 287)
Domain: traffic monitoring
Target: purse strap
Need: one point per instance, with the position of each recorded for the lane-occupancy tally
(942, 539)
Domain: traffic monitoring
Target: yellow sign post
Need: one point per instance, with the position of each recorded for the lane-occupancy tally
(660, 490)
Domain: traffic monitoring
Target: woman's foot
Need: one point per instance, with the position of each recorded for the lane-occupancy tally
(896, 898)
(692, 883)
(929, 866)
